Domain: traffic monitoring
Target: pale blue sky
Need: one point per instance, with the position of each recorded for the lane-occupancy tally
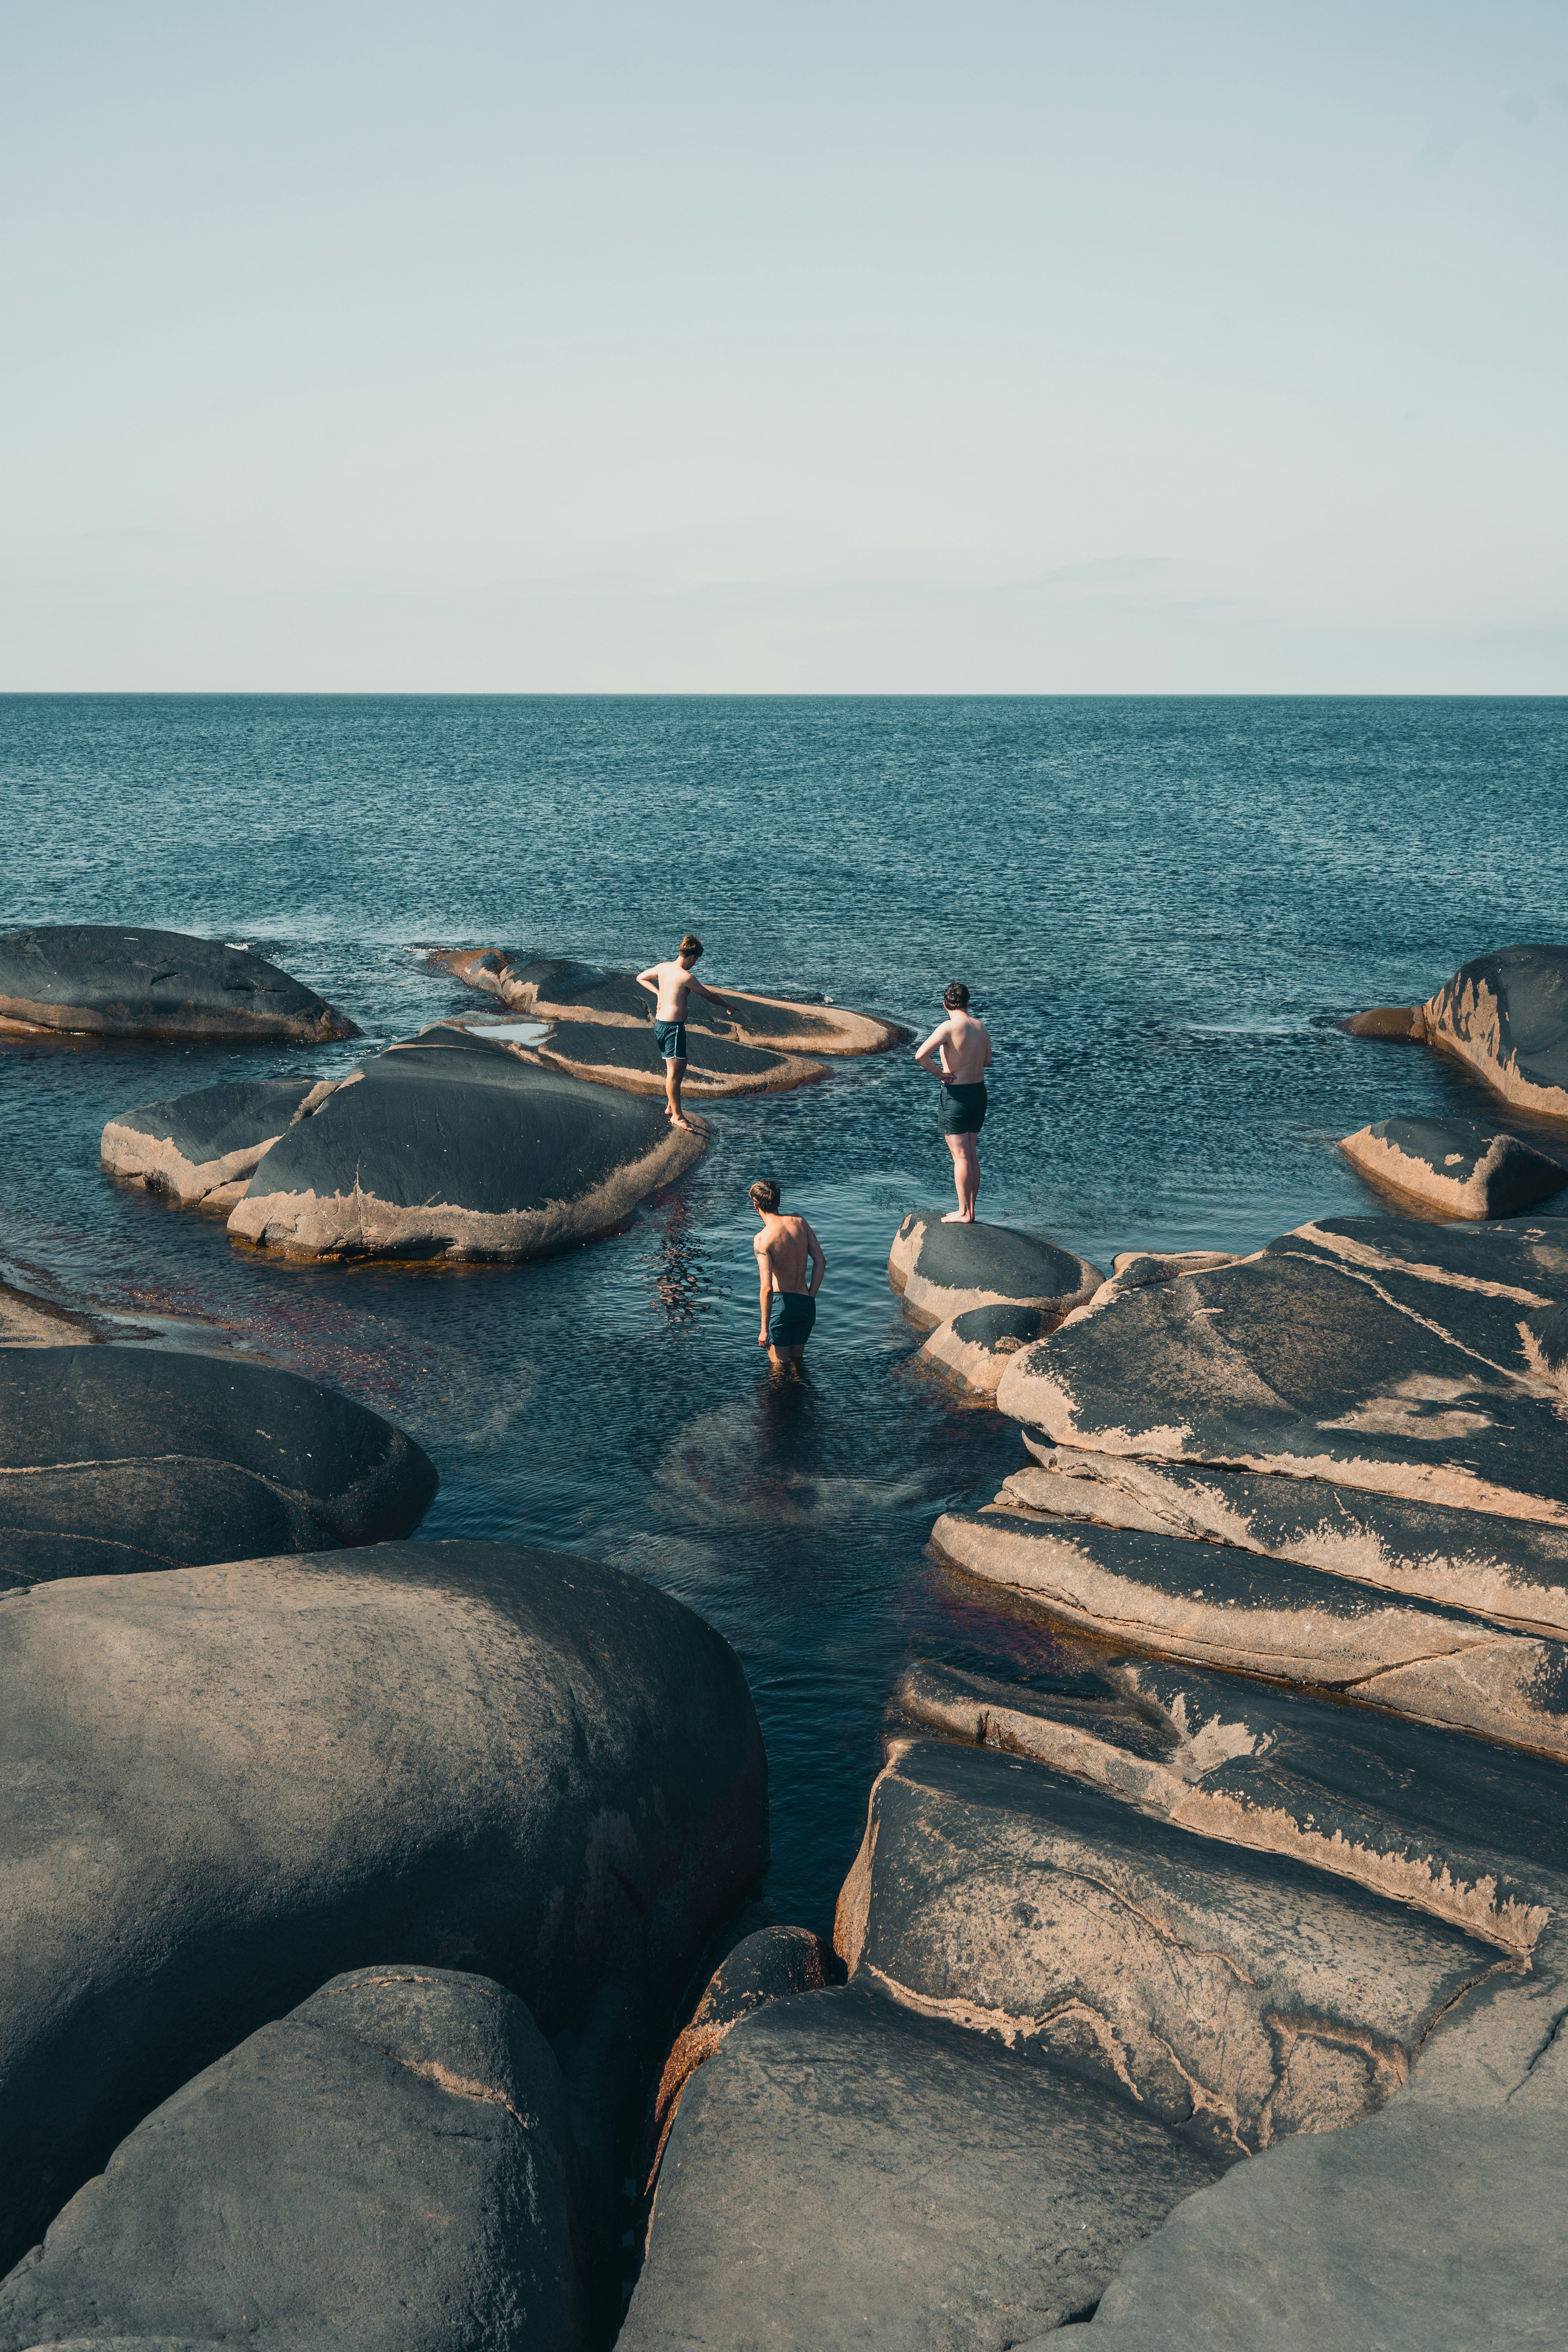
(874, 348)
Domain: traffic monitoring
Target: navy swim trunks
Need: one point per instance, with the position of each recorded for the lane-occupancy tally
(671, 1038)
(791, 1314)
(963, 1108)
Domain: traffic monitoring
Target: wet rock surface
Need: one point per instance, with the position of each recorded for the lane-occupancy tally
(115, 1460)
(1371, 1353)
(202, 1148)
(844, 2170)
(941, 1271)
(226, 1783)
(454, 1147)
(390, 2165)
(108, 981)
(1459, 1167)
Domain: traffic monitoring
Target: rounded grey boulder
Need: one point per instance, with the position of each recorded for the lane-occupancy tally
(974, 1346)
(941, 1270)
(1460, 1167)
(201, 1150)
(113, 982)
(123, 1459)
(224, 1784)
(389, 2165)
(453, 1146)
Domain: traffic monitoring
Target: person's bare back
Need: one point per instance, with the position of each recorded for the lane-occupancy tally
(784, 1249)
(670, 984)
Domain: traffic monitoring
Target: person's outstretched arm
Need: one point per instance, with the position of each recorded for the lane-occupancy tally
(816, 1257)
(924, 1053)
(727, 1009)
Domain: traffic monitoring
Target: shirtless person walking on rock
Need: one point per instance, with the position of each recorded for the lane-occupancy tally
(671, 984)
(783, 1249)
(964, 1045)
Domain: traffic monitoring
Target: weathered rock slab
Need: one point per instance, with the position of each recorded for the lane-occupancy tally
(941, 1270)
(106, 981)
(974, 1346)
(458, 1147)
(844, 2171)
(222, 1784)
(123, 1459)
(555, 989)
(1369, 1353)
(1511, 1571)
(389, 2165)
(1237, 1996)
(1459, 1167)
(1505, 1015)
(202, 1148)
(614, 1054)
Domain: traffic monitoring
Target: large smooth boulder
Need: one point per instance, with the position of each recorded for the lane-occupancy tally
(389, 2165)
(111, 982)
(974, 1346)
(1238, 1995)
(1370, 1352)
(222, 1785)
(617, 1055)
(202, 1148)
(1513, 1571)
(555, 989)
(941, 1270)
(455, 1147)
(116, 1460)
(1478, 1839)
(1460, 1167)
(845, 2171)
(1213, 1606)
(1505, 1016)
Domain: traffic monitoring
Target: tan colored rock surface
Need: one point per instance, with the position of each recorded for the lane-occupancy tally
(1505, 1016)
(1454, 1167)
(201, 1150)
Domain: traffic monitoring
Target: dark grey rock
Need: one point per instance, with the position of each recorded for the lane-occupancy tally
(1505, 1016)
(843, 2171)
(455, 1147)
(1460, 1167)
(390, 2166)
(121, 1459)
(228, 1783)
(974, 1346)
(115, 983)
(204, 1147)
(1511, 1571)
(614, 1054)
(1238, 1995)
(1370, 1352)
(553, 988)
(1214, 1607)
(941, 1270)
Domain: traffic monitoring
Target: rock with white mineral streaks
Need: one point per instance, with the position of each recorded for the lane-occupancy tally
(103, 981)
(941, 1270)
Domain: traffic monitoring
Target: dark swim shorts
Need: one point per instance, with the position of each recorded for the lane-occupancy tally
(671, 1038)
(791, 1314)
(963, 1108)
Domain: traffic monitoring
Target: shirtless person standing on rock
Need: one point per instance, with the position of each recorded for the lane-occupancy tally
(964, 1045)
(671, 984)
(783, 1249)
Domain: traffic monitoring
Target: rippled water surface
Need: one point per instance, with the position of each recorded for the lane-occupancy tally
(1160, 907)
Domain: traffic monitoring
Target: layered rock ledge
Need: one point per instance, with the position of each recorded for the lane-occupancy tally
(1458, 1167)
(105, 981)
(1504, 1015)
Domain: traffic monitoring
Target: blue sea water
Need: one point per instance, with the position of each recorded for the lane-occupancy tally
(1160, 906)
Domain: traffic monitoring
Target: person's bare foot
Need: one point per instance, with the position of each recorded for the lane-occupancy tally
(684, 1123)
(958, 1217)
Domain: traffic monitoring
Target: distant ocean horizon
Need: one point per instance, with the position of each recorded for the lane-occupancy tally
(1161, 904)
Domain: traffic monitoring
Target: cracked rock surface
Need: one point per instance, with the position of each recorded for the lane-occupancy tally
(391, 2165)
(121, 1459)
(104, 981)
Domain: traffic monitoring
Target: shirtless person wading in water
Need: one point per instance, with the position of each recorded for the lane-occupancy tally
(783, 1249)
(966, 1049)
(671, 984)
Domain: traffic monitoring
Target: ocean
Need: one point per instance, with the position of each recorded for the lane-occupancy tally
(1160, 908)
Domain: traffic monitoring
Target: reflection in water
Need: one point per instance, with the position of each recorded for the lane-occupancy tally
(771, 1459)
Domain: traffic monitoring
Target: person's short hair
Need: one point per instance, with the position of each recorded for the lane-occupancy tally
(765, 1194)
(691, 945)
(955, 996)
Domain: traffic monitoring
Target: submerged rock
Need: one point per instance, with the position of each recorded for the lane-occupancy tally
(111, 982)
(845, 2170)
(1232, 1609)
(202, 1148)
(941, 1270)
(1369, 1353)
(975, 1346)
(455, 1147)
(1236, 1995)
(390, 2166)
(1511, 1571)
(230, 1782)
(554, 989)
(118, 1459)
(1459, 1166)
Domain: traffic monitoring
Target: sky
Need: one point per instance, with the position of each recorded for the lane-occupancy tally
(992, 348)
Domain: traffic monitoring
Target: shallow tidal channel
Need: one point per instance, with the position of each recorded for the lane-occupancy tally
(1160, 907)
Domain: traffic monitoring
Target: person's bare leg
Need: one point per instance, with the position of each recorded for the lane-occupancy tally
(958, 1216)
(972, 1165)
(673, 1074)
